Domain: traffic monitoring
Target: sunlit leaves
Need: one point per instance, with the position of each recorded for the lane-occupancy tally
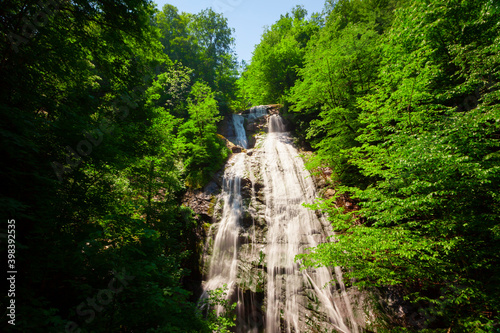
(277, 58)
(203, 150)
(426, 147)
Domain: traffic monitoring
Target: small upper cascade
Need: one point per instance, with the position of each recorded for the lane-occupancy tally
(255, 112)
(223, 265)
(239, 129)
(276, 124)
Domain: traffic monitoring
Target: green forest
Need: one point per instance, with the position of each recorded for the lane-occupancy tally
(110, 113)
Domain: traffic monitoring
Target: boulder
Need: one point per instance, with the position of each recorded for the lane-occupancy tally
(329, 193)
(236, 149)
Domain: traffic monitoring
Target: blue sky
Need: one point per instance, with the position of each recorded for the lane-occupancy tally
(247, 17)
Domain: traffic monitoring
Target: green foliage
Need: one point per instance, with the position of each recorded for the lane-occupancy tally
(276, 59)
(220, 312)
(202, 42)
(170, 91)
(179, 44)
(95, 163)
(413, 136)
(341, 65)
(204, 151)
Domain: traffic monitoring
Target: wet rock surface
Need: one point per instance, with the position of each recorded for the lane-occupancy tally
(202, 201)
(249, 283)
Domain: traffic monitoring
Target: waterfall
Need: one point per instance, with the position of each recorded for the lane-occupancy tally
(223, 263)
(224, 259)
(239, 122)
(292, 229)
(280, 228)
(241, 135)
(276, 124)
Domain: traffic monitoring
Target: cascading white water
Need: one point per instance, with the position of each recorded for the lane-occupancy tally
(292, 229)
(223, 264)
(239, 121)
(288, 229)
(239, 129)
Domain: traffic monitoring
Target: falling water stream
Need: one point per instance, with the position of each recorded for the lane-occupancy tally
(291, 296)
(224, 260)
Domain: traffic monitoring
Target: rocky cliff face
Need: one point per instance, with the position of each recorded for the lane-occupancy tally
(250, 280)
(271, 227)
(249, 245)
(203, 201)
